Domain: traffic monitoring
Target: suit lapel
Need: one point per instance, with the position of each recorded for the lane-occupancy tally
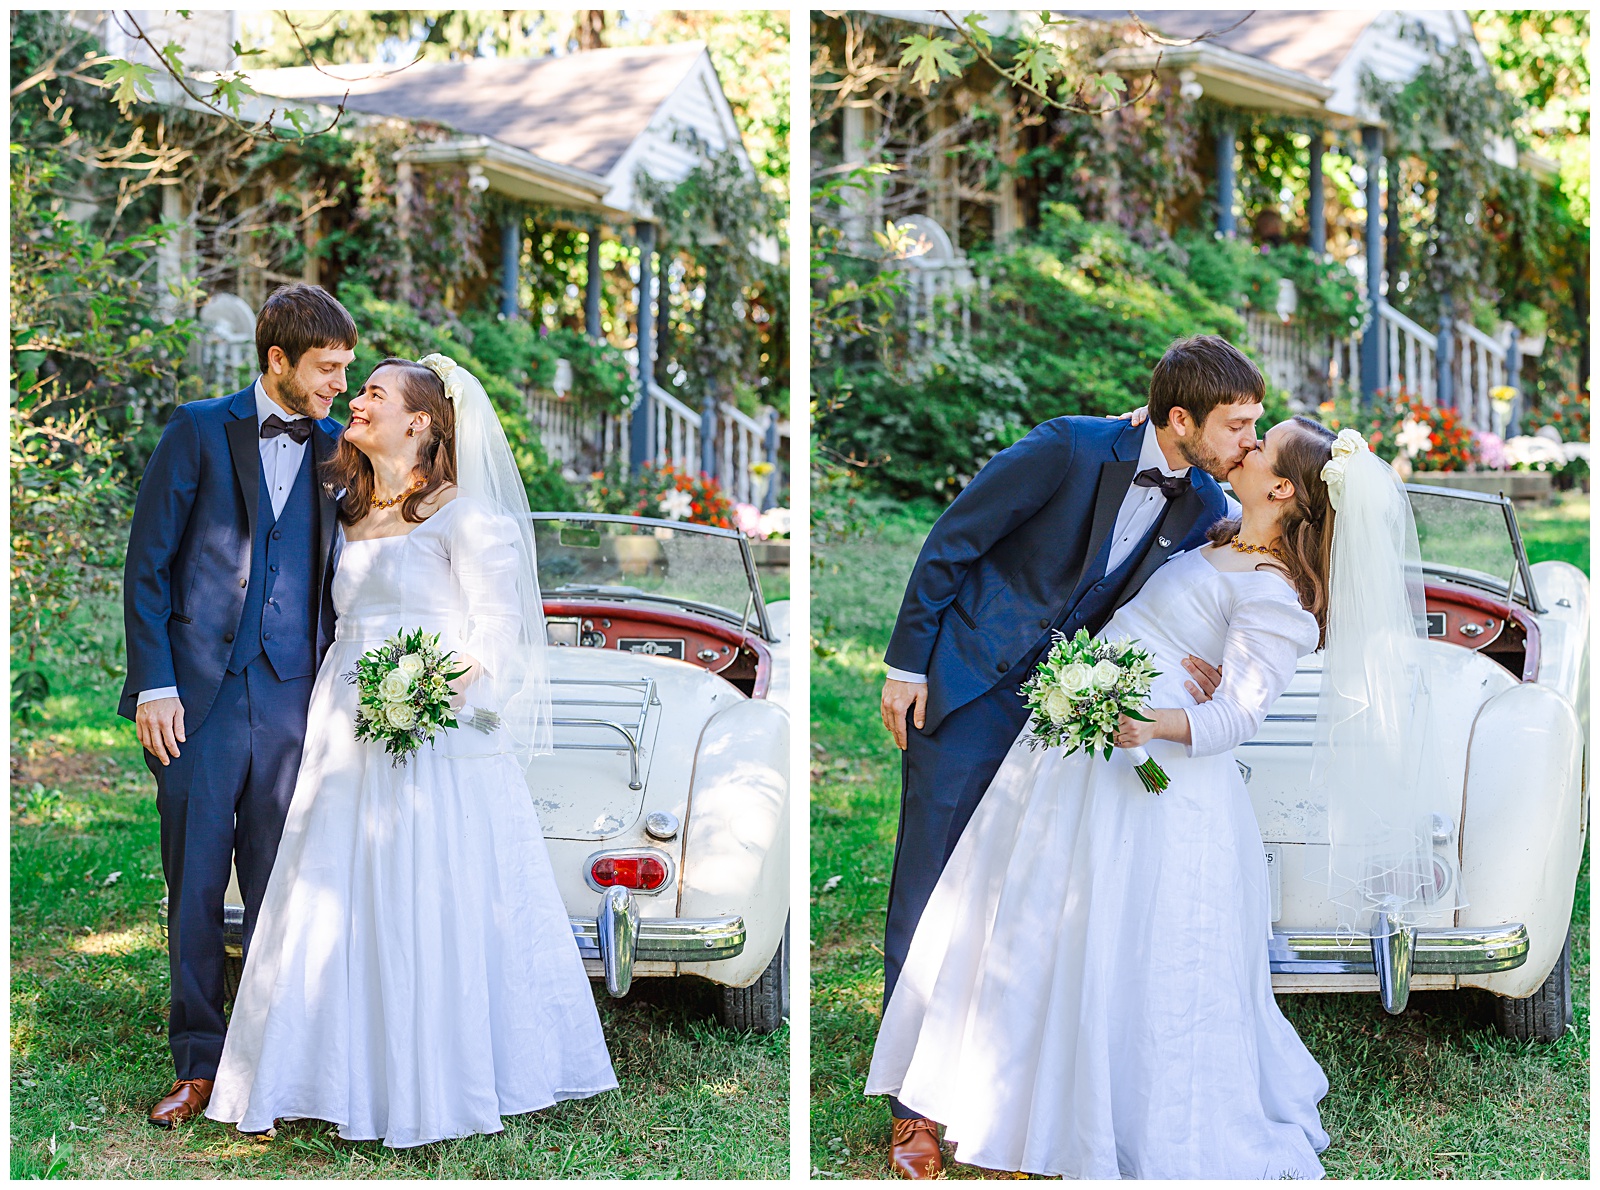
(244, 436)
(1115, 476)
(1170, 530)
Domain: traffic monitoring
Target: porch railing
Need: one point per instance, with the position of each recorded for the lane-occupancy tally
(1407, 356)
(725, 442)
(1480, 366)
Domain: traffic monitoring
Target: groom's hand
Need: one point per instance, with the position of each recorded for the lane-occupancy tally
(160, 726)
(1206, 679)
(898, 698)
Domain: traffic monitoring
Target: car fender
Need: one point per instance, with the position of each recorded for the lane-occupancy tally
(1521, 841)
(736, 841)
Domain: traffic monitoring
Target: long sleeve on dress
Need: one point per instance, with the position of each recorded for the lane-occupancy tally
(1268, 631)
(484, 560)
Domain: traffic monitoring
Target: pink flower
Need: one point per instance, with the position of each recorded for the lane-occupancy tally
(747, 519)
(1491, 449)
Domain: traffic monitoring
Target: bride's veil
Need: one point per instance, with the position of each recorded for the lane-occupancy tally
(1369, 759)
(487, 472)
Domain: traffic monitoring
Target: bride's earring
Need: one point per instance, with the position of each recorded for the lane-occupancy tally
(411, 432)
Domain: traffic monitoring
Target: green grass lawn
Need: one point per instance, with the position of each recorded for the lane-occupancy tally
(1432, 1093)
(89, 994)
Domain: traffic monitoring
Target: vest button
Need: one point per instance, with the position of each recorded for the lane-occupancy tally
(1003, 666)
(227, 638)
(244, 582)
(266, 636)
(274, 568)
(276, 534)
(1044, 623)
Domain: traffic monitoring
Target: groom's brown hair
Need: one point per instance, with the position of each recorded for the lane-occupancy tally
(299, 317)
(1199, 373)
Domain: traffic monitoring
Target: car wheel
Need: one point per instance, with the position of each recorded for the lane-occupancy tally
(761, 1007)
(232, 971)
(1545, 1015)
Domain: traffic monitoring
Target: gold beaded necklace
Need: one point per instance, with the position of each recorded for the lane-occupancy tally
(1246, 548)
(377, 503)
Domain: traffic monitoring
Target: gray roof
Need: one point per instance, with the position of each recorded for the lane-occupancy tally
(579, 110)
(1312, 42)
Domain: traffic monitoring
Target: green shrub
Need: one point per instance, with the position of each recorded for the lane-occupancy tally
(601, 377)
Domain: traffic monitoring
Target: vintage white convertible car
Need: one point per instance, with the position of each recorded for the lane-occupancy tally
(1509, 730)
(666, 803)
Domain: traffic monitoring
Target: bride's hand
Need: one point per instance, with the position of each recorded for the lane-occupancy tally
(1133, 416)
(1131, 733)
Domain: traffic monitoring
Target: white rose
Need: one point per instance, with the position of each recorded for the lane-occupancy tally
(412, 666)
(1076, 678)
(1058, 705)
(1106, 674)
(402, 716)
(395, 685)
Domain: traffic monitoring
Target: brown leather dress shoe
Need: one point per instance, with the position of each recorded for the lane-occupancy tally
(915, 1153)
(186, 1100)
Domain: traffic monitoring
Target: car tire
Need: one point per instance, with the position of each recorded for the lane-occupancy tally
(232, 972)
(761, 1007)
(1545, 1015)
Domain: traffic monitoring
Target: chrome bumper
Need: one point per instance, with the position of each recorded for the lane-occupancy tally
(631, 938)
(619, 937)
(1395, 956)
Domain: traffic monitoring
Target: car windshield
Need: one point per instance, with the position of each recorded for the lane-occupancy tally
(627, 558)
(1469, 539)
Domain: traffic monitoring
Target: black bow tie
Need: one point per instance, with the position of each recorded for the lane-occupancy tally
(299, 429)
(1172, 486)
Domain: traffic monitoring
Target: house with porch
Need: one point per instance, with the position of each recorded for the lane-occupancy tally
(1308, 67)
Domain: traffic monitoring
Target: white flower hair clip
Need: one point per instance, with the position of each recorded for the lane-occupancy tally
(1348, 443)
(442, 366)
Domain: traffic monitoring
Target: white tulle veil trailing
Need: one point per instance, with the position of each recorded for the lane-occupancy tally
(1370, 759)
(486, 471)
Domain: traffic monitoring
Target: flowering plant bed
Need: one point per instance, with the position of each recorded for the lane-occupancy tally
(661, 491)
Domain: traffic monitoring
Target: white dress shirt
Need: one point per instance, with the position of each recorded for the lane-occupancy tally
(1141, 509)
(281, 458)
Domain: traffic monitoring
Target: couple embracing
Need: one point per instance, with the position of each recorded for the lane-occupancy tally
(1076, 969)
(410, 973)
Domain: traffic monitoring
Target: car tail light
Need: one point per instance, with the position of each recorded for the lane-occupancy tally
(643, 872)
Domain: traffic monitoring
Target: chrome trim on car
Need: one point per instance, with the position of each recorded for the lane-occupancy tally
(671, 939)
(634, 734)
(617, 927)
(624, 853)
(1463, 951)
(1393, 946)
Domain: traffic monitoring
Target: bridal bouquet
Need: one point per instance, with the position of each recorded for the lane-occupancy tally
(405, 693)
(1081, 689)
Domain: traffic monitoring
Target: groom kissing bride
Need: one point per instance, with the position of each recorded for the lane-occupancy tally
(410, 973)
(1076, 979)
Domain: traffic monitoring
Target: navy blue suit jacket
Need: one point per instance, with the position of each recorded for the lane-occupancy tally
(1011, 557)
(189, 550)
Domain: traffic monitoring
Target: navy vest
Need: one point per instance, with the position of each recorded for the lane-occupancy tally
(280, 613)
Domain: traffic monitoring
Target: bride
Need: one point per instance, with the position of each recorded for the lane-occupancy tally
(1088, 993)
(413, 975)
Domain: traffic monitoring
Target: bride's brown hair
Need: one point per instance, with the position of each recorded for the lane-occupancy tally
(421, 391)
(1307, 524)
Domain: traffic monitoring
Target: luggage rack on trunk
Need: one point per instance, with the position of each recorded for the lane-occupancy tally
(631, 729)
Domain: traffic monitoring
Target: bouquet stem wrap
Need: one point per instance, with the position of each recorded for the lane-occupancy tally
(1080, 692)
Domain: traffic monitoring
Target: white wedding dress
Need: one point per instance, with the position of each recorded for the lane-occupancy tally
(413, 975)
(1087, 993)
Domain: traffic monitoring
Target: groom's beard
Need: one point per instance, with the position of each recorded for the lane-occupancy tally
(1197, 454)
(293, 397)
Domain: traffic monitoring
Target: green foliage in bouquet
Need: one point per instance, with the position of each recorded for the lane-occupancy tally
(404, 693)
(1082, 689)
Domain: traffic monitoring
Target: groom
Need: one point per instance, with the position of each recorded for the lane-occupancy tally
(228, 609)
(1053, 534)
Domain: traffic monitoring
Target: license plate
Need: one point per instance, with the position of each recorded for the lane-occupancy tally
(1274, 885)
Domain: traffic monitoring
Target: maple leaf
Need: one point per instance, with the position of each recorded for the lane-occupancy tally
(129, 81)
(232, 92)
(931, 56)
